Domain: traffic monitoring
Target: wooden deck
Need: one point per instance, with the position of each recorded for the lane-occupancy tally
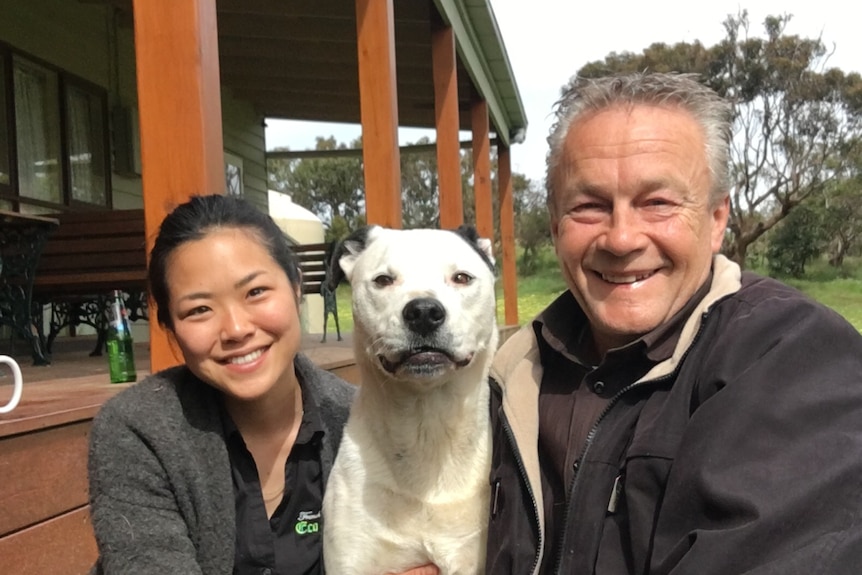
(44, 522)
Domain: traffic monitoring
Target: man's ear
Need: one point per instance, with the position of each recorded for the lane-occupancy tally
(720, 213)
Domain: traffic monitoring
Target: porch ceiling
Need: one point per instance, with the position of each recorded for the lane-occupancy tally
(298, 59)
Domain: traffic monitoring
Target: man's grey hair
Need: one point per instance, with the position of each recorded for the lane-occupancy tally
(713, 113)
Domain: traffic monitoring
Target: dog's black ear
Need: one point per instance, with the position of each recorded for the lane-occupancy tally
(351, 245)
(468, 232)
(481, 245)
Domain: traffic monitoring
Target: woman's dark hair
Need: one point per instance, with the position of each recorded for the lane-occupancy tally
(196, 218)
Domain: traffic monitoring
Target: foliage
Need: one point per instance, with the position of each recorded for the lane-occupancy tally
(794, 242)
(341, 227)
(841, 208)
(331, 187)
(419, 188)
(532, 227)
(796, 124)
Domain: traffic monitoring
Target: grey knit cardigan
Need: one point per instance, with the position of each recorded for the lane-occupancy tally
(161, 495)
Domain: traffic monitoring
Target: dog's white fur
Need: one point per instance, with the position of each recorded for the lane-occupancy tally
(410, 484)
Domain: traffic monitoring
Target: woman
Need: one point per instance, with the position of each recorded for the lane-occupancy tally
(218, 466)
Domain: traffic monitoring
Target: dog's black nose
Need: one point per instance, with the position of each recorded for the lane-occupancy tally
(424, 315)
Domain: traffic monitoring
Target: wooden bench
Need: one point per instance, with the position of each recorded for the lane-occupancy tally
(90, 254)
(314, 264)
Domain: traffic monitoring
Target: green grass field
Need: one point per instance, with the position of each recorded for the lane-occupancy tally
(839, 289)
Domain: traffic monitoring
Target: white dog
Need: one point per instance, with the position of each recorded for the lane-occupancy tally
(410, 484)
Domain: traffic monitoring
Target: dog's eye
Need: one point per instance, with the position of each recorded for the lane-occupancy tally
(383, 280)
(462, 278)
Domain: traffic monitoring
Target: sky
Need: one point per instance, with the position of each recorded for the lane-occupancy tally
(549, 40)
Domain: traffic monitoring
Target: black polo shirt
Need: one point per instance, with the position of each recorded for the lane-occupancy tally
(290, 542)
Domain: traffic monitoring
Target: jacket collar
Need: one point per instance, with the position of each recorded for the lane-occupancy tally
(726, 280)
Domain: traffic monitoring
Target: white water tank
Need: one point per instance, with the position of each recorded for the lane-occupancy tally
(302, 227)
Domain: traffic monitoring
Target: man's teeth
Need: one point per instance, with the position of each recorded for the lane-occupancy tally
(246, 358)
(630, 279)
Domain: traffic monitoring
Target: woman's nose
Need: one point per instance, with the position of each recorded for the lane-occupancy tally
(237, 324)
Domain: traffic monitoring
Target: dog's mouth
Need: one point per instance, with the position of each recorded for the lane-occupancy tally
(423, 360)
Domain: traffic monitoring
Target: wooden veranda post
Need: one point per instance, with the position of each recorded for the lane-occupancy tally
(507, 234)
(179, 105)
(375, 31)
(482, 169)
(446, 120)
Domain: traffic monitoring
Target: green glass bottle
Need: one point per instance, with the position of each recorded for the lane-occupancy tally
(121, 357)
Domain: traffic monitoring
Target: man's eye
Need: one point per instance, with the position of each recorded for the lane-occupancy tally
(658, 202)
(587, 206)
(462, 278)
(383, 280)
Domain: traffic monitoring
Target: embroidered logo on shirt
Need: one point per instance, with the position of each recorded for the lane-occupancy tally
(307, 522)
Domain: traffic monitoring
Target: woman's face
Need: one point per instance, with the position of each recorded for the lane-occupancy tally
(234, 313)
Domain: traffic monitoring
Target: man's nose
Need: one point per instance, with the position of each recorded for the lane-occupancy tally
(624, 233)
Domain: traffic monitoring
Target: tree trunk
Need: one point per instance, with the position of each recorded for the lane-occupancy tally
(737, 251)
(836, 260)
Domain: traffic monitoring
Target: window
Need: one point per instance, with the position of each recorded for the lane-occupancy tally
(37, 130)
(53, 130)
(85, 140)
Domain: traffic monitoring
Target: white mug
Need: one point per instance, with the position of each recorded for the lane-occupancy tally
(18, 381)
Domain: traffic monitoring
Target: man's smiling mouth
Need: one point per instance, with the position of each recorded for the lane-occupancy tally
(625, 278)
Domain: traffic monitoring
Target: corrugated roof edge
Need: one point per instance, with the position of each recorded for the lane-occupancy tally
(479, 43)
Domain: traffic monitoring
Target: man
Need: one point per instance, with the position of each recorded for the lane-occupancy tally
(668, 414)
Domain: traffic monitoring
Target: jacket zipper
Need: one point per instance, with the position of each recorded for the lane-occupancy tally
(592, 434)
(523, 471)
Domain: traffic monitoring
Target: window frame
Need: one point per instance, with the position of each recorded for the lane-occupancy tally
(10, 189)
(11, 192)
(92, 90)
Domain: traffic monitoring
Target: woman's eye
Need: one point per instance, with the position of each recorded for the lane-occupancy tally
(253, 292)
(201, 309)
(383, 280)
(462, 278)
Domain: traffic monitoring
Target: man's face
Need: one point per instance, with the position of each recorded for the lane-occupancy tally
(632, 223)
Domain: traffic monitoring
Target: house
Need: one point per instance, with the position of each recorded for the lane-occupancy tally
(120, 104)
